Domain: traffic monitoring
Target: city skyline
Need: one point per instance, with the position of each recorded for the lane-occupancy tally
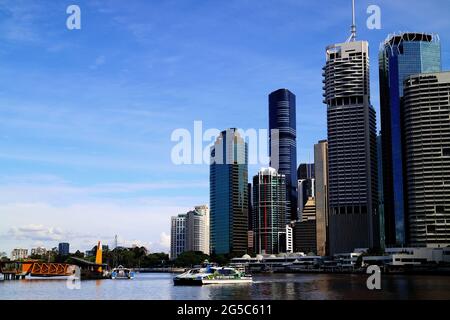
(87, 149)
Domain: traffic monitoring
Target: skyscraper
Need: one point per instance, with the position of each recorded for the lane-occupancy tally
(352, 153)
(321, 174)
(190, 232)
(269, 194)
(401, 55)
(197, 229)
(177, 235)
(229, 194)
(282, 117)
(427, 144)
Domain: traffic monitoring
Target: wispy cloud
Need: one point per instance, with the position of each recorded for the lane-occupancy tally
(35, 232)
(99, 61)
(19, 21)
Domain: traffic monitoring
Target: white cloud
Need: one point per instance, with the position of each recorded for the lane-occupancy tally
(99, 61)
(164, 240)
(35, 232)
(83, 224)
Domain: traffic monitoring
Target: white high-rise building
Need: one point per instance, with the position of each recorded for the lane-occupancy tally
(190, 232)
(18, 254)
(197, 229)
(177, 235)
(39, 251)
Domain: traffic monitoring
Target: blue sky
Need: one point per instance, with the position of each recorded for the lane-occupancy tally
(86, 115)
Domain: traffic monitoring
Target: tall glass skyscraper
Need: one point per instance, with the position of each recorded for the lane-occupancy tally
(269, 225)
(401, 55)
(282, 117)
(229, 194)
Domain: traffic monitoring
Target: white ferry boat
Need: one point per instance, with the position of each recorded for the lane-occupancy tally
(212, 275)
(122, 273)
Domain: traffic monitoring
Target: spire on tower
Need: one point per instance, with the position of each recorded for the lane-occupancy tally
(353, 27)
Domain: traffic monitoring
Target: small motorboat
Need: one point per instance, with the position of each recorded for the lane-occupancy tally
(121, 272)
(212, 275)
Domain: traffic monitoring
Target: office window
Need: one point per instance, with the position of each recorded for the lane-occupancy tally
(431, 228)
(440, 209)
(446, 152)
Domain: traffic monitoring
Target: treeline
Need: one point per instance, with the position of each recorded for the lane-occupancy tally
(137, 257)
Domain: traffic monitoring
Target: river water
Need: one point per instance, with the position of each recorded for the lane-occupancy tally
(156, 286)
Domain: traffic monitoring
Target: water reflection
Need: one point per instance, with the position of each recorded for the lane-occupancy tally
(265, 287)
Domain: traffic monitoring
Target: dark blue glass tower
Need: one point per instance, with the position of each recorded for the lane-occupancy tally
(229, 194)
(282, 116)
(400, 56)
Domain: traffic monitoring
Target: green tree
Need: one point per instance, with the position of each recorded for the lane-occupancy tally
(153, 260)
(3, 256)
(78, 254)
(191, 258)
(220, 259)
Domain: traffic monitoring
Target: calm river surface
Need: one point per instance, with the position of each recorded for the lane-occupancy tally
(155, 286)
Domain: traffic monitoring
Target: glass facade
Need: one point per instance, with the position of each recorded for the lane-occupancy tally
(269, 223)
(229, 194)
(63, 248)
(282, 117)
(401, 56)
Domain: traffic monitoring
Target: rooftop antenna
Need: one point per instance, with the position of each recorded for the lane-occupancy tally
(353, 27)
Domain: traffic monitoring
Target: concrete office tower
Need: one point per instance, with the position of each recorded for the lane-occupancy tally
(352, 149)
(401, 55)
(197, 229)
(282, 117)
(305, 229)
(321, 174)
(177, 235)
(269, 201)
(229, 194)
(427, 144)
